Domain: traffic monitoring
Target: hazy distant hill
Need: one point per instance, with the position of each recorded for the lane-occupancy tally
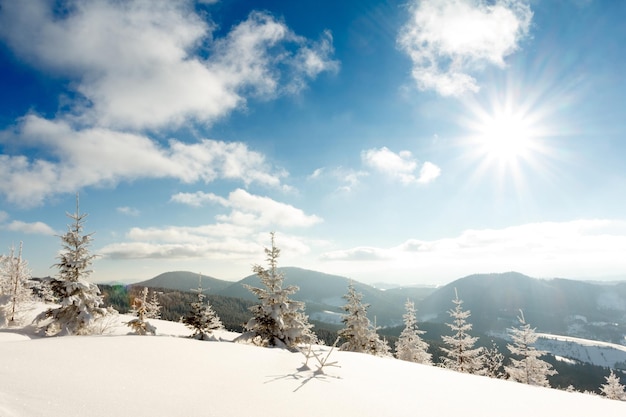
(184, 281)
(560, 306)
(321, 292)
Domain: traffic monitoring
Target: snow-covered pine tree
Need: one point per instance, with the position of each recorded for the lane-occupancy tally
(613, 389)
(80, 300)
(358, 334)
(493, 362)
(202, 319)
(144, 309)
(277, 320)
(460, 355)
(529, 368)
(15, 286)
(410, 346)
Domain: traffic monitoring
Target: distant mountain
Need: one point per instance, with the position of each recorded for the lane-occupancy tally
(561, 306)
(321, 292)
(184, 281)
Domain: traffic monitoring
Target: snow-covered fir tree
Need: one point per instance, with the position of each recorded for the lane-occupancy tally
(144, 308)
(15, 287)
(613, 389)
(460, 354)
(80, 300)
(359, 335)
(410, 346)
(493, 362)
(202, 319)
(277, 320)
(528, 368)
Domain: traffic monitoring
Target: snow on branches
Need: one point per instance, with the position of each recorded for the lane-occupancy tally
(358, 334)
(410, 346)
(277, 320)
(15, 287)
(80, 300)
(528, 369)
(202, 319)
(144, 308)
(460, 354)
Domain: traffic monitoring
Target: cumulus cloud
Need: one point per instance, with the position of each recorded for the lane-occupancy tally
(144, 64)
(102, 157)
(34, 228)
(252, 210)
(448, 40)
(402, 166)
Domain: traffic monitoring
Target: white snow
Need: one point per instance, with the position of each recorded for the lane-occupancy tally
(168, 375)
(583, 350)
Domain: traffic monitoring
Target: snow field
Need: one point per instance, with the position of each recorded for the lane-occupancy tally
(168, 375)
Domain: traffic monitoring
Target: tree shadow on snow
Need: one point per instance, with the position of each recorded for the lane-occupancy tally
(304, 375)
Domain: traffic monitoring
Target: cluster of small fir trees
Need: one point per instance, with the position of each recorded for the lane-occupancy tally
(16, 287)
(202, 319)
(80, 300)
(144, 308)
(277, 321)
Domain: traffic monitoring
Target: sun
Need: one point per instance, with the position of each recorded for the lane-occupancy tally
(504, 141)
(505, 137)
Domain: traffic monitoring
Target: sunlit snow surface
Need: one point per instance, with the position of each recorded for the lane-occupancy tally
(169, 375)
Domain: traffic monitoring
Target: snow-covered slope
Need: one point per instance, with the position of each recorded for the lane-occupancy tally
(168, 375)
(583, 350)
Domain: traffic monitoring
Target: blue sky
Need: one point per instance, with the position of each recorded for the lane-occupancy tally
(404, 142)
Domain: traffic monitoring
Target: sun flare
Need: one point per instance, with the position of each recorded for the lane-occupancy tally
(504, 137)
(506, 140)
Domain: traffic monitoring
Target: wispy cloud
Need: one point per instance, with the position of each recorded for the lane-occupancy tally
(357, 254)
(128, 211)
(233, 235)
(3, 216)
(97, 156)
(347, 179)
(198, 199)
(402, 166)
(448, 40)
(34, 228)
(576, 249)
(138, 64)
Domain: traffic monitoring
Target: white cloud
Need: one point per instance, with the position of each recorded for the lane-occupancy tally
(144, 64)
(253, 210)
(428, 172)
(34, 228)
(197, 199)
(348, 178)
(356, 254)
(101, 157)
(3, 216)
(576, 249)
(129, 211)
(401, 166)
(447, 40)
(236, 235)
